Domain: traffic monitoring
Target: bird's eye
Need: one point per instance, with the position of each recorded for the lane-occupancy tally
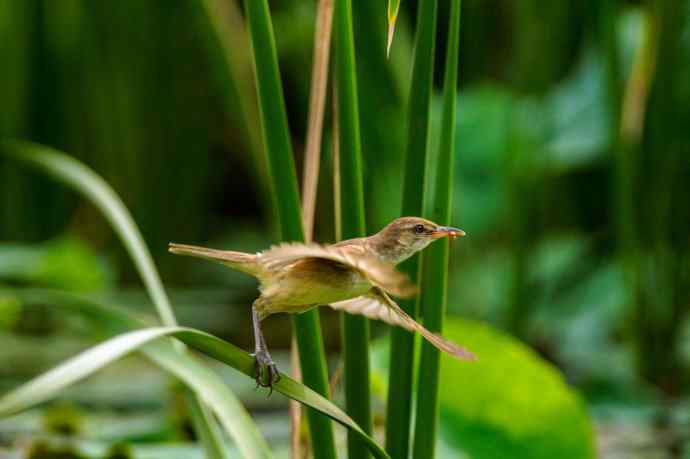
(418, 229)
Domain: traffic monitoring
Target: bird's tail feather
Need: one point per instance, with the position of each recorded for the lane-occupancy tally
(240, 261)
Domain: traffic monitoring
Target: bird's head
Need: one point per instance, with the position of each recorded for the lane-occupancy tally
(405, 236)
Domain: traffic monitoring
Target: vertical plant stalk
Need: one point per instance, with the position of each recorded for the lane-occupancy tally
(523, 211)
(626, 135)
(636, 93)
(310, 176)
(435, 259)
(623, 193)
(663, 248)
(337, 194)
(352, 224)
(294, 408)
(625, 156)
(317, 104)
(282, 170)
(402, 342)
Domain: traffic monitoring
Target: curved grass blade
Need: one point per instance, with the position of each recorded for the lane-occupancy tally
(241, 361)
(186, 368)
(228, 409)
(435, 259)
(215, 394)
(76, 175)
(208, 386)
(393, 10)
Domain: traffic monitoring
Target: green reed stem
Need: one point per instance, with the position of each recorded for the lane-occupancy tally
(435, 259)
(352, 223)
(402, 342)
(284, 183)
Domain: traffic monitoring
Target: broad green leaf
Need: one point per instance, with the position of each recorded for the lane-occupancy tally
(393, 10)
(510, 403)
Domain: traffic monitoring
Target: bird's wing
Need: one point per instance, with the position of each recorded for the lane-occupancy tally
(379, 306)
(380, 274)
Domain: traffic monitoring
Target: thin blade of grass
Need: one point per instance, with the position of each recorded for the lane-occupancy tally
(282, 168)
(435, 259)
(402, 342)
(76, 175)
(352, 223)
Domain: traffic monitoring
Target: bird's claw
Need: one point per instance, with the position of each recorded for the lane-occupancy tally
(266, 372)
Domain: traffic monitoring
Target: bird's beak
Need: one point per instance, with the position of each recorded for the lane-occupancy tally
(443, 231)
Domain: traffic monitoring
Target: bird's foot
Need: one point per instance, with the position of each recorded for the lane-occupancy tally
(265, 370)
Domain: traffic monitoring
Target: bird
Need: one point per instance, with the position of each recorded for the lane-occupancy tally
(357, 276)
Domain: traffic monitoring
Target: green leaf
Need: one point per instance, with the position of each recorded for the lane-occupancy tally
(510, 403)
(76, 175)
(194, 374)
(241, 361)
(189, 370)
(393, 9)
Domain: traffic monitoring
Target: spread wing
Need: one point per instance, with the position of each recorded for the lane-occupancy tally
(380, 274)
(379, 306)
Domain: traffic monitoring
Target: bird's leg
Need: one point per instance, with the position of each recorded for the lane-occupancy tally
(266, 372)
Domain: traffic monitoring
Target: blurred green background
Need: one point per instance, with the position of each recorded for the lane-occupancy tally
(573, 179)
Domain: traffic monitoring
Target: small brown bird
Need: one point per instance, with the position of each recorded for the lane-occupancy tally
(355, 276)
